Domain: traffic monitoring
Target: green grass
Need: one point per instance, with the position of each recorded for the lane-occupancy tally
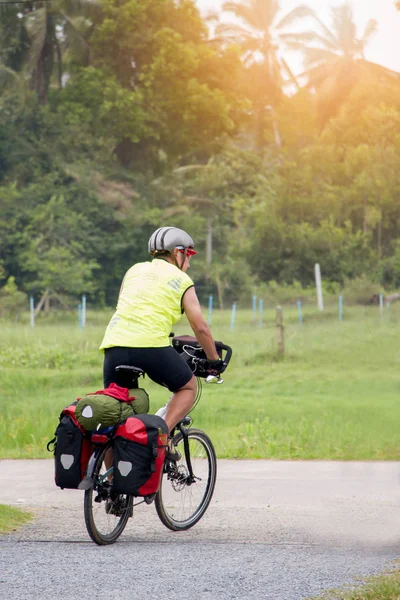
(381, 587)
(12, 518)
(334, 395)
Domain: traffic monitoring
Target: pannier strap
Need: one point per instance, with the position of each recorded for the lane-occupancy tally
(53, 441)
(115, 391)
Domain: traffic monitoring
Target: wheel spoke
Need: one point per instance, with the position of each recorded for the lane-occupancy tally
(182, 500)
(106, 513)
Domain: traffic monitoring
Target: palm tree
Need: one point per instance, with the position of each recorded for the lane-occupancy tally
(14, 40)
(46, 30)
(334, 59)
(261, 39)
(14, 45)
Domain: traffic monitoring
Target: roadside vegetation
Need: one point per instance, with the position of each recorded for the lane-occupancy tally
(333, 395)
(12, 518)
(381, 587)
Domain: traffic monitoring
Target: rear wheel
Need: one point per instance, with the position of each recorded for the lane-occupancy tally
(181, 502)
(106, 513)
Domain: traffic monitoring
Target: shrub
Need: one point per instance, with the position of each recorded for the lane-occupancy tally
(360, 290)
(12, 300)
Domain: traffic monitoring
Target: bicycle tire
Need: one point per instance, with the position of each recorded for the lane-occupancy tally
(180, 504)
(103, 527)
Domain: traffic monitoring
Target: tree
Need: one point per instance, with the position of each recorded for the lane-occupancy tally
(161, 95)
(36, 39)
(334, 59)
(261, 39)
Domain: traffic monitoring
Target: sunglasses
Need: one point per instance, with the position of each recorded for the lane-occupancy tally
(187, 251)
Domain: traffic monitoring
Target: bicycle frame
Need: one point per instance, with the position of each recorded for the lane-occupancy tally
(191, 479)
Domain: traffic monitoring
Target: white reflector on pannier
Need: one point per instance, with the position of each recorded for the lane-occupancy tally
(124, 467)
(87, 412)
(67, 460)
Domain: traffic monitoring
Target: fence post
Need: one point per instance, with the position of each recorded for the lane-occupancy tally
(381, 304)
(280, 331)
(83, 310)
(80, 315)
(210, 306)
(254, 308)
(233, 315)
(299, 312)
(32, 310)
(318, 284)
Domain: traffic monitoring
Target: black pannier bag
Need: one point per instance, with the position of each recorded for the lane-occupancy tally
(139, 451)
(72, 449)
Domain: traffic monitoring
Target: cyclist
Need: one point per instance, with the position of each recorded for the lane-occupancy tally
(152, 298)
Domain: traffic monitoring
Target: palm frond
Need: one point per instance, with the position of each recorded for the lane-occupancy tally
(233, 33)
(75, 40)
(344, 26)
(212, 16)
(12, 83)
(330, 37)
(7, 77)
(370, 29)
(317, 75)
(300, 12)
(192, 168)
(37, 30)
(231, 29)
(265, 13)
(231, 5)
(251, 45)
(305, 37)
(218, 40)
(244, 12)
(313, 56)
(291, 76)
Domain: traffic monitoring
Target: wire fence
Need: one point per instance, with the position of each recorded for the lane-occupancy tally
(257, 312)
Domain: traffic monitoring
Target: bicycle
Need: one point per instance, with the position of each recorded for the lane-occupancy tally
(187, 485)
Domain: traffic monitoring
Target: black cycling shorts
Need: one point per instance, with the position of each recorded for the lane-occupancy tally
(163, 365)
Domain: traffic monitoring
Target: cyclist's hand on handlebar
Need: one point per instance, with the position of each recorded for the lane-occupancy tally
(216, 367)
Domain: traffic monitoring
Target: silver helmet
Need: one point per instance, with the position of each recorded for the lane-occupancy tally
(168, 238)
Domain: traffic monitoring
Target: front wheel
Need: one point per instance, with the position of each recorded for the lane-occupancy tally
(182, 501)
(106, 513)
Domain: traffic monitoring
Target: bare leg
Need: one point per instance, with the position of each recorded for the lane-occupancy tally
(181, 403)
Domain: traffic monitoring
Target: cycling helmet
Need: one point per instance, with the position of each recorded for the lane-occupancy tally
(165, 239)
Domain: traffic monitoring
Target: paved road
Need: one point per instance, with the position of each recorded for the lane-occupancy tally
(274, 531)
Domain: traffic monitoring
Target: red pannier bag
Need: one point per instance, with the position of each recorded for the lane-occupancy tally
(72, 449)
(139, 452)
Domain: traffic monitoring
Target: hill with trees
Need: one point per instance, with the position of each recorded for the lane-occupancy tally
(117, 117)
